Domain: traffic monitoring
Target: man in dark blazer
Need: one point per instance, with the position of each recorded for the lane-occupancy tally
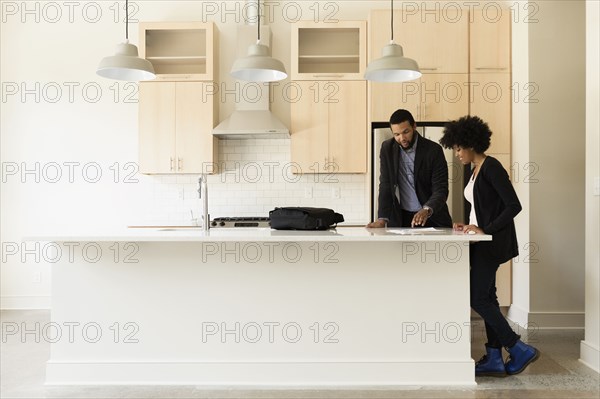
(413, 181)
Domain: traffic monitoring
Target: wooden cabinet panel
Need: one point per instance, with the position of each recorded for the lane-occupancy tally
(439, 43)
(491, 101)
(175, 128)
(444, 97)
(181, 51)
(157, 127)
(194, 121)
(433, 98)
(348, 129)
(489, 40)
(388, 97)
(329, 51)
(309, 136)
(329, 133)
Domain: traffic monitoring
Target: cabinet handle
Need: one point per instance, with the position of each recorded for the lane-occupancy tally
(172, 164)
(179, 163)
(329, 75)
(491, 68)
(428, 69)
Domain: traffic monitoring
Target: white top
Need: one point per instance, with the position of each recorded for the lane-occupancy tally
(469, 196)
(254, 234)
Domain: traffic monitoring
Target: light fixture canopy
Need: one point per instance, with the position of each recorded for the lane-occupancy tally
(126, 64)
(258, 66)
(393, 66)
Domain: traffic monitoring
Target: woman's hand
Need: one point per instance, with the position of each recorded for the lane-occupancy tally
(466, 228)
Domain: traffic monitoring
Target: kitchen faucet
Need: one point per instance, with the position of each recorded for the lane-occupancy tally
(203, 195)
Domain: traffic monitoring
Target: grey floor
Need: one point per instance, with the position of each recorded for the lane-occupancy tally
(557, 374)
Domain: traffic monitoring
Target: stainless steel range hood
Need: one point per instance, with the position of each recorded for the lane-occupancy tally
(251, 124)
(252, 118)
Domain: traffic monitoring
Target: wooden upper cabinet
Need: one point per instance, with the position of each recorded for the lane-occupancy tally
(180, 50)
(431, 98)
(489, 40)
(157, 127)
(328, 51)
(491, 101)
(329, 127)
(437, 39)
(175, 127)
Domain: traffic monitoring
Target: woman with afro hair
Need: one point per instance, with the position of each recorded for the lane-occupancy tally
(493, 207)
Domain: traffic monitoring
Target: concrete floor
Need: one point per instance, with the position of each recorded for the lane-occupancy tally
(557, 374)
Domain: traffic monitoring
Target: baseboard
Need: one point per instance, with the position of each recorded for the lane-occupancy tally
(28, 302)
(240, 373)
(590, 355)
(546, 320)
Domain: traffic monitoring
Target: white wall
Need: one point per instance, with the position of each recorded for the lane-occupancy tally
(590, 347)
(64, 53)
(57, 112)
(554, 250)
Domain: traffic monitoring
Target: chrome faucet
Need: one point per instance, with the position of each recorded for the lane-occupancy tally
(203, 195)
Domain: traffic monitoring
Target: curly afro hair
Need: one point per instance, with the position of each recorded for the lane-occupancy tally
(467, 132)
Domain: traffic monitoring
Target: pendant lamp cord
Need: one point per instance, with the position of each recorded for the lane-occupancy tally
(126, 19)
(392, 21)
(258, 16)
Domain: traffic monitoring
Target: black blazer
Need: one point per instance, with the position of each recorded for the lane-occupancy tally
(431, 182)
(496, 205)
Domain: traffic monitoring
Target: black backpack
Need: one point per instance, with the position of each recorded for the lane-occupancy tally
(304, 218)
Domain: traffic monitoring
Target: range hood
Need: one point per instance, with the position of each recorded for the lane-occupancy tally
(251, 124)
(251, 118)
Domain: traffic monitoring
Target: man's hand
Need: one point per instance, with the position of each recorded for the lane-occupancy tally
(377, 224)
(420, 218)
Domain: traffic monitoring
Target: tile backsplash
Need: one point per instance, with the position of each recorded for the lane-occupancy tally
(255, 176)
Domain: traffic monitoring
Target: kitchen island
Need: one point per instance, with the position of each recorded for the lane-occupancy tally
(255, 306)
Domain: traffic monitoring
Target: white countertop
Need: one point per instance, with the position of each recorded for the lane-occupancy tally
(250, 234)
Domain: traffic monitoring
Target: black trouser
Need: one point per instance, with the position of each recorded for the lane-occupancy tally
(484, 300)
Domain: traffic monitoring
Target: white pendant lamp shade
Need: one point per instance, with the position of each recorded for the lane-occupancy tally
(392, 66)
(258, 66)
(126, 65)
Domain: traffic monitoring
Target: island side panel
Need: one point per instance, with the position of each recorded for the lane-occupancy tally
(308, 313)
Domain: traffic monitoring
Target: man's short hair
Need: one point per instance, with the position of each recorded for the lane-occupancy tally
(400, 116)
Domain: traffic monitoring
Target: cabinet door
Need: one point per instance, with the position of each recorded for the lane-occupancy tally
(388, 97)
(348, 128)
(438, 39)
(444, 97)
(491, 101)
(489, 40)
(309, 119)
(329, 51)
(157, 127)
(180, 51)
(194, 121)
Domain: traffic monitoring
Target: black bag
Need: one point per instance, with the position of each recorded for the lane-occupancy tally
(304, 218)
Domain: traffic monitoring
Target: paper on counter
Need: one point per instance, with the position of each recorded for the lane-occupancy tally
(420, 230)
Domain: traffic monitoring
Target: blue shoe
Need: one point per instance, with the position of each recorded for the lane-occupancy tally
(521, 355)
(491, 364)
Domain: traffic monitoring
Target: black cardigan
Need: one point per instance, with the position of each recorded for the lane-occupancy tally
(496, 205)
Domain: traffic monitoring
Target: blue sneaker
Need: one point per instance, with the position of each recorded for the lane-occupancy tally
(521, 355)
(491, 364)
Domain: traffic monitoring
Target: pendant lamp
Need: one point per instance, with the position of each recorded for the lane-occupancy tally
(392, 66)
(126, 64)
(258, 66)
